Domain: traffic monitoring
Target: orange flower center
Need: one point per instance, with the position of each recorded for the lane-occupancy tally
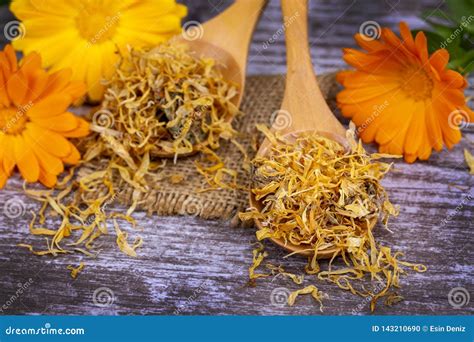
(97, 24)
(12, 120)
(416, 83)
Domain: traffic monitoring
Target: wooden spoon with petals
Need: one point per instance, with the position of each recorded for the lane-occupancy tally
(304, 108)
(226, 39)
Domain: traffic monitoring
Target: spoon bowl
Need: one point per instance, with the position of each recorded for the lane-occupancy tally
(226, 39)
(230, 70)
(305, 104)
(303, 249)
(226, 64)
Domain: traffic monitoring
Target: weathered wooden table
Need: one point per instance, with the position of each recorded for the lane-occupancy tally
(193, 266)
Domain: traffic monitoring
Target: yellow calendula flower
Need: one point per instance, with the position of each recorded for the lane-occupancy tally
(84, 35)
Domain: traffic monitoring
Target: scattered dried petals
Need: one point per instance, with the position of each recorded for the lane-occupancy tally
(469, 161)
(75, 270)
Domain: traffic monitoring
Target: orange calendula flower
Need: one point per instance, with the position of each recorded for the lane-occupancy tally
(84, 35)
(34, 121)
(402, 98)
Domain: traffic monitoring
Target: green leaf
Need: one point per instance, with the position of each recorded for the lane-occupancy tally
(454, 31)
(444, 31)
(468, 68)
(467, 42)
(463, 64)
(462, 12)
(460, 8)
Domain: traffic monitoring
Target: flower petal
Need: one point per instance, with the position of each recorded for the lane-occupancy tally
(433, 127)
(47, 179)
(26, 160)
(414, 135)
(407, 37)
(50, 106)
(3, 176)
(454, 79)
(364, 93)
(422, 47)
(11, 57)
(74, 157)
(47, 161)
(397, 144)
(439, 59)
(82, 129)
(8, 144)
(394, 113)
(59, 123)
(57, 81)
(17, 86)
(50, 141)
(369, 45)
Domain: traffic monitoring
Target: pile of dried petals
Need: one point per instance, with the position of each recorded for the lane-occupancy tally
(166, 101)
(318, 195)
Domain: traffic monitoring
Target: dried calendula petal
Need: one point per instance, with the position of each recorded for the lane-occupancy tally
(320, 195)
(75, 270)
(469, 161)
(280, 271)
(123, 243)
(258, 255)
(310, 289)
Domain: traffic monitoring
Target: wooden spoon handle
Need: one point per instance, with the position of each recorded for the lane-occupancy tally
(303, 101)
(295, 21)
(232, 29)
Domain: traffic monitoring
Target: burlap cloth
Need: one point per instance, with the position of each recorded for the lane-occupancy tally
(263, 96)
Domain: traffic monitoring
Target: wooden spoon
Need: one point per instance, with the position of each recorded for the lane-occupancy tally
(303, 106)
(226, 39)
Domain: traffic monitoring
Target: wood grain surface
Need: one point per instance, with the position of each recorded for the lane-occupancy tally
(192, 266)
